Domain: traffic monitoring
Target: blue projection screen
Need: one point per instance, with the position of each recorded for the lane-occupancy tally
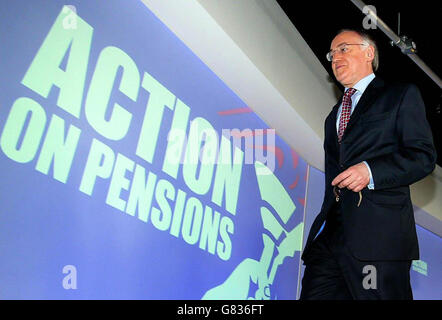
(130, 170)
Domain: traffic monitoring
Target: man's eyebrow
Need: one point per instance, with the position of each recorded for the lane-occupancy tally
(339, 45)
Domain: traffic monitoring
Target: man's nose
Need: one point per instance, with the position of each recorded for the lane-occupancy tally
(337, 57)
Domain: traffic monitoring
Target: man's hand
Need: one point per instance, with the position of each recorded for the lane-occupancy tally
(355, 178)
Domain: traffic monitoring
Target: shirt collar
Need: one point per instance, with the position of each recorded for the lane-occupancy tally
(362, 84)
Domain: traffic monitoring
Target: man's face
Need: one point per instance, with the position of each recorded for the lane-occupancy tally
(355, 63)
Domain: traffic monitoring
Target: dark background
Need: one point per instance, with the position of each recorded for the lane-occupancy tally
(318, 22)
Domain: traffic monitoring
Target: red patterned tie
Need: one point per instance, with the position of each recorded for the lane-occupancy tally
(346, 112)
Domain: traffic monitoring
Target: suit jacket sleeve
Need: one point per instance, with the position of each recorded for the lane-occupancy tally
(415, 156)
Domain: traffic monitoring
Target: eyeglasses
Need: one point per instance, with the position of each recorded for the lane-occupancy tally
(342, 49)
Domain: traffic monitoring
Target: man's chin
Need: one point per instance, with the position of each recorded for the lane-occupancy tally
(341, 79)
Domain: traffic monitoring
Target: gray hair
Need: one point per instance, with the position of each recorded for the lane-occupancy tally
(370, 41)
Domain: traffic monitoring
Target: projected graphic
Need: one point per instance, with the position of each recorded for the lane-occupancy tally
(125, 172)
(252, 279)
(426, 273)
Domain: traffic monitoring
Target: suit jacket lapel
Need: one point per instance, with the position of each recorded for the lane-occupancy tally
(334, 117)
(370, 94)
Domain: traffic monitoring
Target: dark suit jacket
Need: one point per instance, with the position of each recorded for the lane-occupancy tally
(389, 130)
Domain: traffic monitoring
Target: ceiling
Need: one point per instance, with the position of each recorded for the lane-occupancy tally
(318, 22)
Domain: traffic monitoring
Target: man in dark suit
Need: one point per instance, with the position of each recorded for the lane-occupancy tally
(377, 143)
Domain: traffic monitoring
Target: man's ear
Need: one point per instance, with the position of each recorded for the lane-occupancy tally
(370, 53)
